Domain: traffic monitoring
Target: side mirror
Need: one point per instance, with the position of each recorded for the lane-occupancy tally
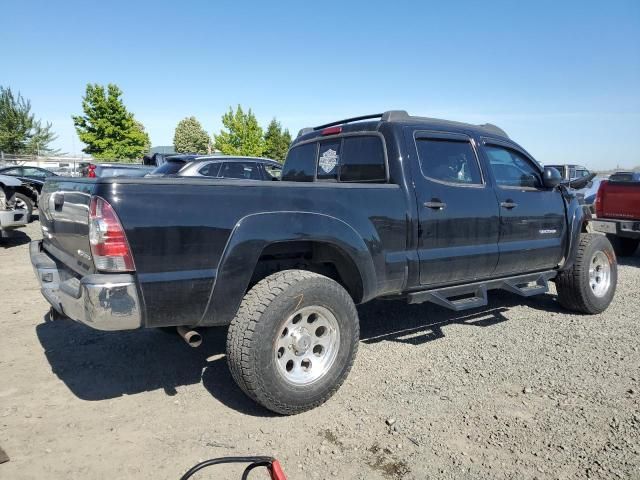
(551, 177)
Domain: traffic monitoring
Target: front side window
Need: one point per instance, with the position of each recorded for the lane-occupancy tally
(169, 168)
(512, 169)
(450, 161)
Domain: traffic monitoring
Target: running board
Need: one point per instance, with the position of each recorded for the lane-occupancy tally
(474, 295)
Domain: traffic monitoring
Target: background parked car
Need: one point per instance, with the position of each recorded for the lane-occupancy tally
(32, 178)
(248, 168)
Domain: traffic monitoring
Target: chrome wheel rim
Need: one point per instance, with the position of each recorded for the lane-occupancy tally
(307, 345)
(600, 274)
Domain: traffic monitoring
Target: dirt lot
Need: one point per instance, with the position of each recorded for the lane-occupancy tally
(517, 390)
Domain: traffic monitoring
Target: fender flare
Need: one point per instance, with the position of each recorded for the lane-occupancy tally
(576, 220)
(253, 233)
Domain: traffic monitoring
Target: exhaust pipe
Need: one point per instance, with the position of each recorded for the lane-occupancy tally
(193, 338)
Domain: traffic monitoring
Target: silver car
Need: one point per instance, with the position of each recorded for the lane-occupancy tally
(246, 168)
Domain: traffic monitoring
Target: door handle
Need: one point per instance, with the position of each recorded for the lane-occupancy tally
(509, 204)
(435, 204)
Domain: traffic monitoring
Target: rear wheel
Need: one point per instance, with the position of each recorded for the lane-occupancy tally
(624, 247)
(590, 284)
(293, 341)
(24, 202)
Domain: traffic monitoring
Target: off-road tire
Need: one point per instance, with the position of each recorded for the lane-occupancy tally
(624, 247)
(254, 330)
(28, 203)
(573, 286)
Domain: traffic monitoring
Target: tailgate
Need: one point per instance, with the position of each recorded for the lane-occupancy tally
(621, 200)
(64, 216)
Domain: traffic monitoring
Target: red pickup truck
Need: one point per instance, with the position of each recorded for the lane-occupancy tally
(617, 208)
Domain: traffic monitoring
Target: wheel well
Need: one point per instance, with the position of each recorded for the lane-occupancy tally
(319, 257)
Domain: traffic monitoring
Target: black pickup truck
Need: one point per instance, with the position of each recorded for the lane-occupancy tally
(387, 205)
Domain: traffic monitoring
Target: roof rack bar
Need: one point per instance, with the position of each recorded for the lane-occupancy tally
(348, 120)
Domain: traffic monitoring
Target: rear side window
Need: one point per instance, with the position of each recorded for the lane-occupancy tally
(450, 161)
(301, 163)
(511, 169)
(358, 158)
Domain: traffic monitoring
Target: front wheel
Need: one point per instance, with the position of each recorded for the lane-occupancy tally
(590, 284)
(293, 341)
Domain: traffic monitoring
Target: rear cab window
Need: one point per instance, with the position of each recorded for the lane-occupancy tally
(350, 158)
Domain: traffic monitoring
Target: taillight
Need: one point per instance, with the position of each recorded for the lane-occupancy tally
(91, 173)
(109, 246)
(598, 203)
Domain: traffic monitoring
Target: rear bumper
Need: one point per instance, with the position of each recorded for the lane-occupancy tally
(620, 228)
(101, 301)
(12, 219)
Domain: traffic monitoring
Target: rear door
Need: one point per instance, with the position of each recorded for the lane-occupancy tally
(532, 217)
(457, 210)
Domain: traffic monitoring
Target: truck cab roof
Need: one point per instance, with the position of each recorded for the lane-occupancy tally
(367, 123)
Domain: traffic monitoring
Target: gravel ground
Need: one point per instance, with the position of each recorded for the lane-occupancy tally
(520, 389)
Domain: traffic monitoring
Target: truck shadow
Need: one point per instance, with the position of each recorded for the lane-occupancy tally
(97, 365)
(15, 238)
(400, 322)
(632, 261)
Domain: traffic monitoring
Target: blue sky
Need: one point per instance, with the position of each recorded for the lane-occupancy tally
(562, 78)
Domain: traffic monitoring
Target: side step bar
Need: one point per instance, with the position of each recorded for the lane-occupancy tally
(474, 295)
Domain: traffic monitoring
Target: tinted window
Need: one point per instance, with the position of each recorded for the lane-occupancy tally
(210, 169)
(362, 160)
(300, 165)
(170, 167)
(241, 170)
(329, 159)
(448, 161)
(512, 169)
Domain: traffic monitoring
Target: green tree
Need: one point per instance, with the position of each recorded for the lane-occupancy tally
(276, 141)
(241, 134)
(190, 137)
(20, 132)
(107, 128)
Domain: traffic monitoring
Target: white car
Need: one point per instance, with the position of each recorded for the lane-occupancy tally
(10, 217)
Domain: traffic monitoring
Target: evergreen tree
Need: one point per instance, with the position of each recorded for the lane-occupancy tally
(241, 134)
(20, 132)
(276, 141)
(190, 137)
(107, 128)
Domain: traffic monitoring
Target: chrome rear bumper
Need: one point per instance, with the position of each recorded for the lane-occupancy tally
(101, 301)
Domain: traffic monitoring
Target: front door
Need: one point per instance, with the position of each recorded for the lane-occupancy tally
(532, 217)
(457, 210)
